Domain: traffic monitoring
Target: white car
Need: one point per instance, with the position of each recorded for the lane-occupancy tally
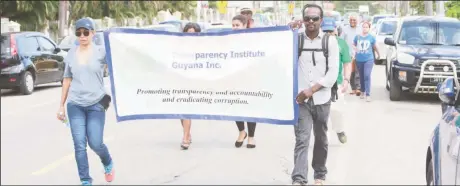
(218, 28)
(162, 27)
(384, 29)
(376, 18)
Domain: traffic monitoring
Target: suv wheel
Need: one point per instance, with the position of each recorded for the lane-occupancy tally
(28, 83)
(387, 81)
(430, 173)
(395, 90)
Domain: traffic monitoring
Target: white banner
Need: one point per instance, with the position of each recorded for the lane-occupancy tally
(244, 75)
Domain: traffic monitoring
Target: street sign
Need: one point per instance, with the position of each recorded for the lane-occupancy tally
(291, 7)
(222, 6)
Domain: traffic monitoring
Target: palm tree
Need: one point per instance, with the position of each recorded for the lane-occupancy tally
(185, 7)
(32, 15)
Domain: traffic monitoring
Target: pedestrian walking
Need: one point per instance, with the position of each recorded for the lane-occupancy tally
(318, 71)
(248, 13)
(364, 45)
(348, 34)
(187, 123)
(83, 90)
(240, 22)
(337, 121)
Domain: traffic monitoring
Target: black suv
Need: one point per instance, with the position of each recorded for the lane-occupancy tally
(29, 59)
(423, 52)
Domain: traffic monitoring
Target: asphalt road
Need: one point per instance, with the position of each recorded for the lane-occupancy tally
(387, 144)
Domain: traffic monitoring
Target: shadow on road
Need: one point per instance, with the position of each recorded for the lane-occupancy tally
(380, 93)
(10, 92)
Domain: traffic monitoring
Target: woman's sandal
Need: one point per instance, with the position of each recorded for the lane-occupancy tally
(185, 145)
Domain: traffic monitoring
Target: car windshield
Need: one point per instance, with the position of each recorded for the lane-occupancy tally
(68, 40)
(430, 33)
(387, 28)
(376, 19)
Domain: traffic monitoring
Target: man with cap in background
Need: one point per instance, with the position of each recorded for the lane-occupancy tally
(248, 13)
(329, 27)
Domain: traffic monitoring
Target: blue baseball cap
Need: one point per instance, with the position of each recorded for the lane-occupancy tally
(85, 23)
(328, 24)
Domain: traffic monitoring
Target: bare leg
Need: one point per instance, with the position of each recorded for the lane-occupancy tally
(186, 125)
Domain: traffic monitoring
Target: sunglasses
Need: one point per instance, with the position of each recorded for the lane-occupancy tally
(311, 18)
(85, 33)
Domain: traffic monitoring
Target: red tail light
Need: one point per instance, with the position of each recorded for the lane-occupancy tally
(14, 50)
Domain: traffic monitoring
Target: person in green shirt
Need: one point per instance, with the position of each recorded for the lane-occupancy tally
(343, 79)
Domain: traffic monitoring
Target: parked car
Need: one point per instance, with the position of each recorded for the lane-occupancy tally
(29, 59)
(180, 24)
(219, 28)
(164, 27)
(385, 29)
(71, 40)
(378, 17)
(443, 152)
(423, 52)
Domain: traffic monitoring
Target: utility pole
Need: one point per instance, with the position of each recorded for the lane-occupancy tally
(440, 8)
(62, 25)
(429, 8)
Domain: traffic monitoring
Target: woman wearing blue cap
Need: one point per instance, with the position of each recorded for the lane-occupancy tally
(87, 101)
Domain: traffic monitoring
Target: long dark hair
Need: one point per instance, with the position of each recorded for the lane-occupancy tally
(242, 18)
(195, 26)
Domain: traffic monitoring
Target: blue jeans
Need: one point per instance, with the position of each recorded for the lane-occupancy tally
(87, 126)
(365, 69)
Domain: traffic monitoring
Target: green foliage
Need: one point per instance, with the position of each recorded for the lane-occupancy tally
(35, 15)
(341, 5)
(453, 9)
(419, 6)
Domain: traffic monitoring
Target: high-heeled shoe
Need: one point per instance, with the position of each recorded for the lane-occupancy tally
(185, 145)
(238, 144)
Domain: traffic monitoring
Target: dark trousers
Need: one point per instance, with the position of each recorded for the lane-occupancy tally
(251, 127)
(316, 117)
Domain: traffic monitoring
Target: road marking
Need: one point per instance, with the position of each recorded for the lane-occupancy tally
(62, 160)
(107, 85)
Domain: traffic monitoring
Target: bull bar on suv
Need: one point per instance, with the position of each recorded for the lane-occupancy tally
(431, 73)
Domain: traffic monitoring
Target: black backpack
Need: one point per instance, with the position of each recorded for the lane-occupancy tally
(325, 49)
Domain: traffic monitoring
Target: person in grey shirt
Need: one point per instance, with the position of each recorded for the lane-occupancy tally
(349, 33)
(83, 89)
(314, 98)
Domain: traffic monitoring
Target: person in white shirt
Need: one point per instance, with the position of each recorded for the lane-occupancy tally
(315, 80)
(349, 33)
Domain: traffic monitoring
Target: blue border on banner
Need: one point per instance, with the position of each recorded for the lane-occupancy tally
(199, 116)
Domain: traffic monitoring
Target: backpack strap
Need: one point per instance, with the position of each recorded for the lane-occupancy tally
(301, 42)
(325, 48)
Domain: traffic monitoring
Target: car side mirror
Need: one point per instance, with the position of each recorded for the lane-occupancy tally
(446, 91)
(57, 50)
(389, 41)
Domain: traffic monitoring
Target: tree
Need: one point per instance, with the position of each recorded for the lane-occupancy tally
(453, 9)
(32, 15)
(185, 7)
(419, 7)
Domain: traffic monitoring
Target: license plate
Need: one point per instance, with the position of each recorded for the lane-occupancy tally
(437, 80)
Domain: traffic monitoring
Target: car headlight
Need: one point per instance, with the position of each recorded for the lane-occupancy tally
(405, 58)
(12, 69)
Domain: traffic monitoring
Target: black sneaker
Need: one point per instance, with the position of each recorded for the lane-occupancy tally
(342, 137)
